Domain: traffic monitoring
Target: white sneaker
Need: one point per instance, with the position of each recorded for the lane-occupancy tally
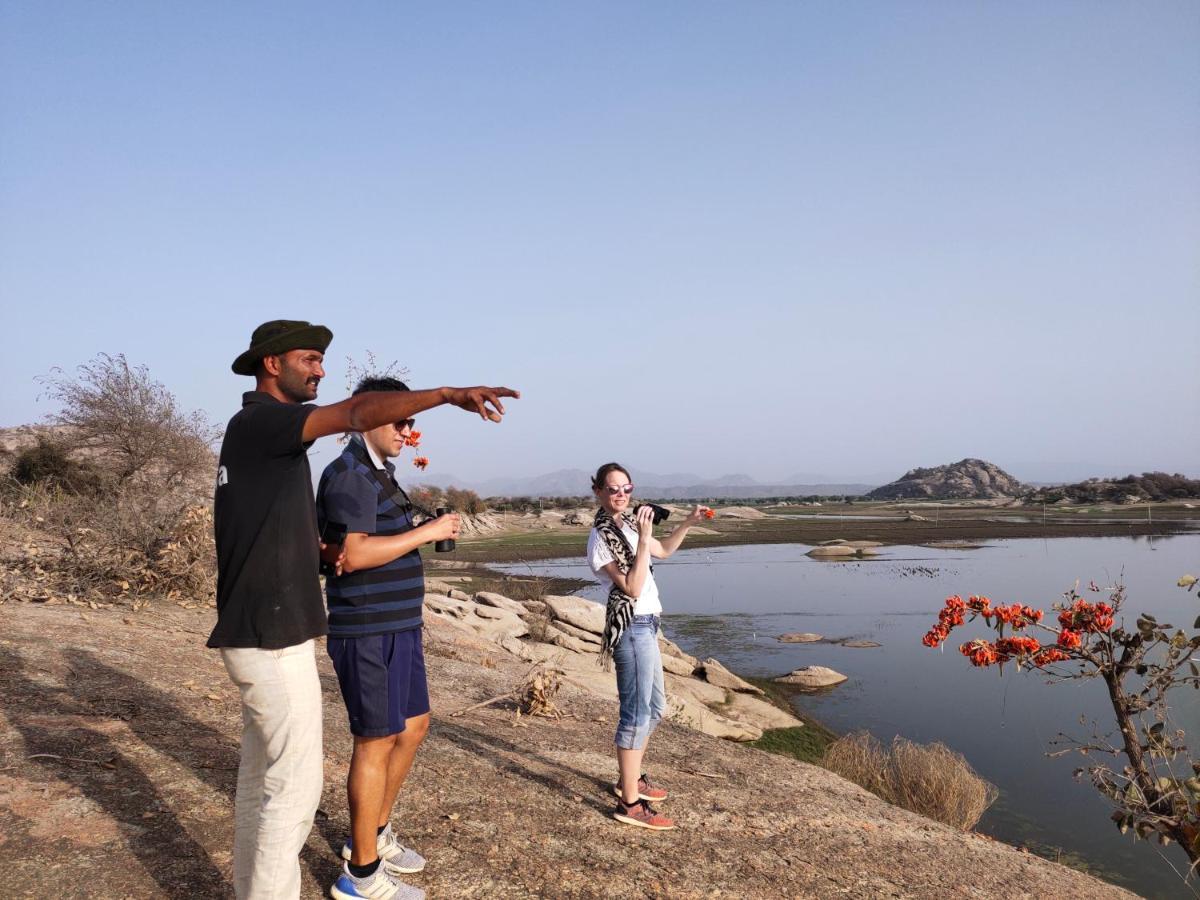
(398, 859)
(380, 886)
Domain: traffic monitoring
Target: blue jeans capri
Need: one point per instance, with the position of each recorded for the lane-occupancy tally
(639, 683)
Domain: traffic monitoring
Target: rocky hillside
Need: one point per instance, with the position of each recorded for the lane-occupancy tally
(1149, 486)
(968, 479)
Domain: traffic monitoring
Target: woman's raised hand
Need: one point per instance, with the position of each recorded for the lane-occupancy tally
(696, 515)
(645, 521)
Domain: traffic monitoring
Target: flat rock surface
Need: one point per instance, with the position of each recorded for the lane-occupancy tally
(119, 749)
(800, 637)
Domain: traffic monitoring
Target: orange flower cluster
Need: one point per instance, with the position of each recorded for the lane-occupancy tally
(709, 514)
(421, 462)
(1017, 616)
(1050, 655)
(1069, 639)
(980, 652)
(1084, 616)
(1018, 646)
(950, 617)
(984, 653)
(413, 439)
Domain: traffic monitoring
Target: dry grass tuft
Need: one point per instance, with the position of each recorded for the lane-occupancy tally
(536, 695)
(930, 779)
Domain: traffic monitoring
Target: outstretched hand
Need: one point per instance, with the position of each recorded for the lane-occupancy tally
(482, 400)
(697, 514)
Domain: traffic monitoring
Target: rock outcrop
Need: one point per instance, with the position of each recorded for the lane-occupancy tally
(566, 633)
(800, 637)
(812, 677)
(968, 479)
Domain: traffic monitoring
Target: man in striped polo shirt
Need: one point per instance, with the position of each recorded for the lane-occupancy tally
(375, 644)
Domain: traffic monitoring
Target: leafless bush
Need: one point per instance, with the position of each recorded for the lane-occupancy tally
(930, 779)
(143, 527)
(133, 420)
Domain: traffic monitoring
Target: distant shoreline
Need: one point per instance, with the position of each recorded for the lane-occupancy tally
(931, 523)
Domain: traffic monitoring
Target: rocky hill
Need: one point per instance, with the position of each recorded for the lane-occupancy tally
(968, 479)
(1157, 486)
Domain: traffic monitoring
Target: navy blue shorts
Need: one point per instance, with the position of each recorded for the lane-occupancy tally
(382, 678)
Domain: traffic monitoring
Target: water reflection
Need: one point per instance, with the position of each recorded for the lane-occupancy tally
(733, 602)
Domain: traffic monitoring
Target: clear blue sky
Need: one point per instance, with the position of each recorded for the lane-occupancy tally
(771, 238)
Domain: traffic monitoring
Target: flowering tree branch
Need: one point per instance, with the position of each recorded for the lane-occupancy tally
(1157, 791)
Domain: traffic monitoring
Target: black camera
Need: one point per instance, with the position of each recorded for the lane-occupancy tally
(446, 545)
(332, 534)
(661, 513)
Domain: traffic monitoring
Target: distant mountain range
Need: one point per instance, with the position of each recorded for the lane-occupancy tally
(671, 486)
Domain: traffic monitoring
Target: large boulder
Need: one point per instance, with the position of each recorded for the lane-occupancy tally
(677, 665)
(579, 517)
(684, 709)
(585, 636)
(758, 713)
(669, 647)
(560, 638)
(708, 694)
(576, 611)
(447, 606)
(832, 551)
(490, 598)
(812, 677)
(532, 651)
(715, 673)
(494, 624)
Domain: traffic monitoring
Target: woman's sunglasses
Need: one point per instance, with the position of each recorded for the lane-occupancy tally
(613, 491)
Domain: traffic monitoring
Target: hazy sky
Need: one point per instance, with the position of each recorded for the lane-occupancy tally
(771, 238)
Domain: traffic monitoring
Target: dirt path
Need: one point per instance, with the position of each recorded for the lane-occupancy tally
(118, 755)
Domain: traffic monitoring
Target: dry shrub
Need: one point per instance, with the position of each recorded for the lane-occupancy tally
(129, 545)
(930, 779)
(130, 519)
(48, 462)
(537, 692)
(539, 623)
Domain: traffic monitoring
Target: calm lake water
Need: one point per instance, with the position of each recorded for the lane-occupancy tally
(732, 603)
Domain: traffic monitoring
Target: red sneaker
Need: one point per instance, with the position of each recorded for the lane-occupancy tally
(647, 790)
(643, 815)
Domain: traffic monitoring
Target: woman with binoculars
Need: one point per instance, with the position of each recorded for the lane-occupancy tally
(619, 549)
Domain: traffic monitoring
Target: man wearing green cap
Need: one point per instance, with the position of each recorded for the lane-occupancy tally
(269, 604)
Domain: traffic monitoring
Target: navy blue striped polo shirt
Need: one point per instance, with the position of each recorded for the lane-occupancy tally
(366, 499)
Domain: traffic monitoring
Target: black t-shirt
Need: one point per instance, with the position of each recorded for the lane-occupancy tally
(268, 554)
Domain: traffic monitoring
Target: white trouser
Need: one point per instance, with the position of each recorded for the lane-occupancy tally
(281, 771)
